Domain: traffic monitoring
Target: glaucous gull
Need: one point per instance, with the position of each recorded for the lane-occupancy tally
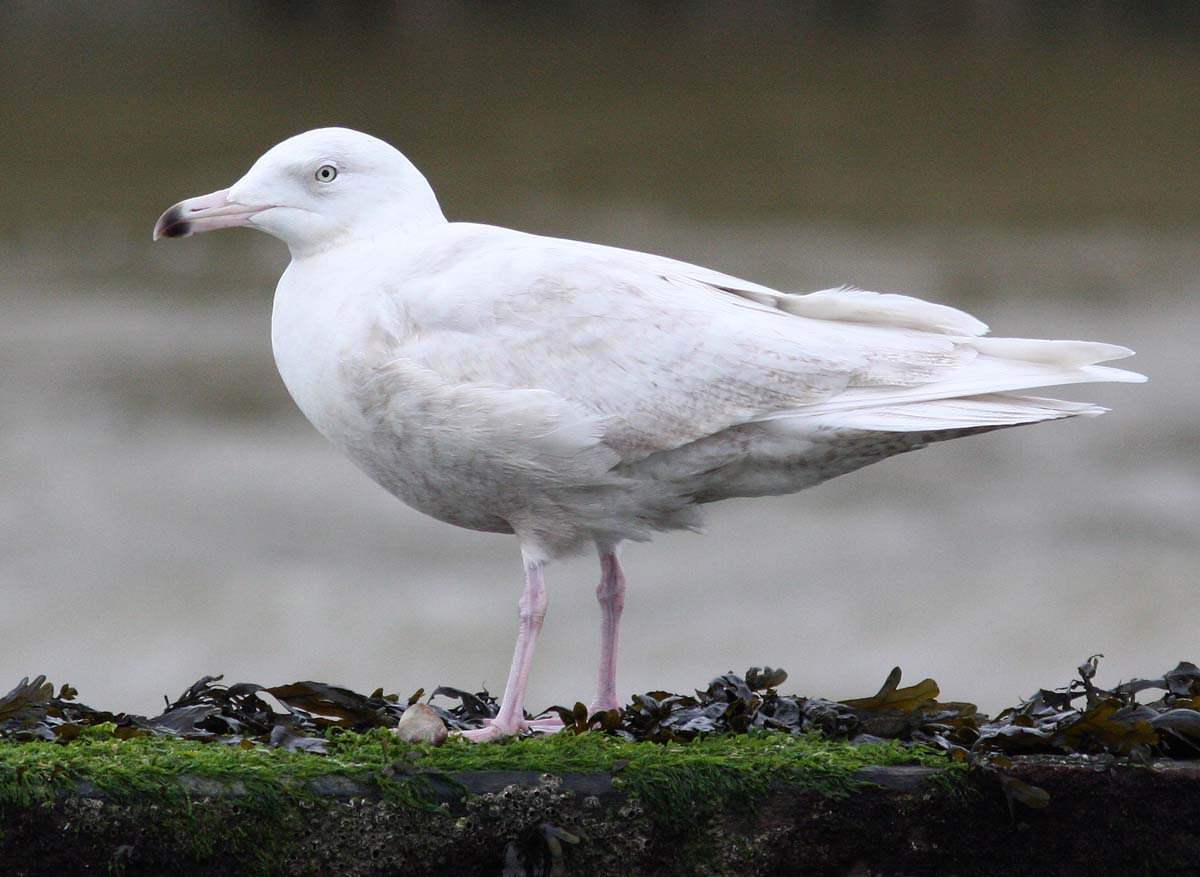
(580, 395)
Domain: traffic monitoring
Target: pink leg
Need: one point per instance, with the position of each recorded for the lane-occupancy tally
(611, 594)
(511, 718)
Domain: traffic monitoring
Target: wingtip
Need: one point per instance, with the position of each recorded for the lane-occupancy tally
(1116, 351)
(1119, 375)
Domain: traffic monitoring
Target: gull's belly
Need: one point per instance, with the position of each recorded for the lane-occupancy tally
(420, 466)
(422, 471)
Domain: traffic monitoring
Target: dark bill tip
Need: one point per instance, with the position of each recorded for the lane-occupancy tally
(172, 224)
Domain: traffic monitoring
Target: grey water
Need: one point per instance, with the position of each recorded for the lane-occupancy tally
(166, 513)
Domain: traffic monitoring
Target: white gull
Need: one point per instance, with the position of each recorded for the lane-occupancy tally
(580, 395)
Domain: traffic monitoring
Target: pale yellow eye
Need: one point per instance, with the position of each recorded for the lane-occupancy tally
(326, 173)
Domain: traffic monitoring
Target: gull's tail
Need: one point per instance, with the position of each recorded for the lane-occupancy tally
(980, 395)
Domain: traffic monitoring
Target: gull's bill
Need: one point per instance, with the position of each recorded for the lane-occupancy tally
(204, 213)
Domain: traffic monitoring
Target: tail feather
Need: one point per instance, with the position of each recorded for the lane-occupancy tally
(978, 393)
(992, 410)
(1064, 354)
(984, 376)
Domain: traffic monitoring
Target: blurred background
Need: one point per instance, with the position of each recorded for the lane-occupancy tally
(166, 512)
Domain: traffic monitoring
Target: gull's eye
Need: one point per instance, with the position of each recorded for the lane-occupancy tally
(326, 173)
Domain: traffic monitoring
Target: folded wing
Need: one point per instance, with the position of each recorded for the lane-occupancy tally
(663, 353)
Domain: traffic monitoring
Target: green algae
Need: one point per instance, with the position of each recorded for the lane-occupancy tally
(677, 780)
(682, 782)
(207, 802)
(134, 769)
(162, 786)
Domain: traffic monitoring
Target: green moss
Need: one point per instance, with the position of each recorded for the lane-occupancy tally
(675, 785)
(686, 782)
(144, 774)
(708, 773)
(127, 770)
(134, 768)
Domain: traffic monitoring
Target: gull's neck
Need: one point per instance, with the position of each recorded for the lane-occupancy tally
(387, 226)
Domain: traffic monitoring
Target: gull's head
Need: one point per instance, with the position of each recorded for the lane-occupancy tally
(313, 191)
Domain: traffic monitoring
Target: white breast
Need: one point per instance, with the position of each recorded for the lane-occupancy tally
(318, 334)
(338, 334)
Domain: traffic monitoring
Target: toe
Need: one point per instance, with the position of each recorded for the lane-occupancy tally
(551, 725)
(494, 730)
(484, 734)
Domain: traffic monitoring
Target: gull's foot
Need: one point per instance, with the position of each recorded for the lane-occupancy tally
(484, 734)
(494, 730)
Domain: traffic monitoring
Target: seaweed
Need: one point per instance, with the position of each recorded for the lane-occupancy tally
(1080, 717)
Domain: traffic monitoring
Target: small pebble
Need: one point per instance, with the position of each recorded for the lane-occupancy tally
(420, 724)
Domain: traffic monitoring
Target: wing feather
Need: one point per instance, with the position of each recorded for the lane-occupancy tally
(663, 353)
